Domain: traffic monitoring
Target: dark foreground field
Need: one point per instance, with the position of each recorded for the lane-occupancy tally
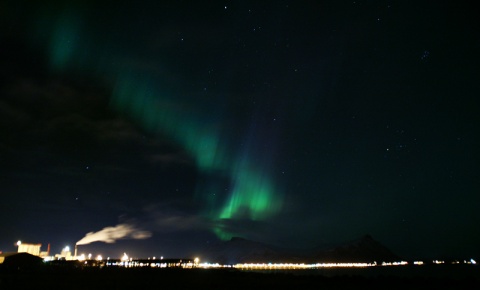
(141, 278)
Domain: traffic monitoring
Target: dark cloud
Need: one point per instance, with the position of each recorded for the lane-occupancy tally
(168, 217)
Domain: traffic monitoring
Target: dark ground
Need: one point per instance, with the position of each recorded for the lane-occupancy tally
(149, 278)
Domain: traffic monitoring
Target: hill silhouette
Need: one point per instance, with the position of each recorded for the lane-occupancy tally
(365, 249)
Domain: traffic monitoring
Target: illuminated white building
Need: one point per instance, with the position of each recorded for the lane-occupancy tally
(33, 249)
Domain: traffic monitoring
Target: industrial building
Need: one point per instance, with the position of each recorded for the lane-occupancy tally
(33, 249)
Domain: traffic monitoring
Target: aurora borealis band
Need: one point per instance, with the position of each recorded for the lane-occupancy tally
(251, 193)
(251, 190)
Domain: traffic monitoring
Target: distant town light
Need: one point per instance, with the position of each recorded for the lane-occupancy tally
(418, 263)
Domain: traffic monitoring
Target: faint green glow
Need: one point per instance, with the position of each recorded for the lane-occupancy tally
(222, 233)
(64, 44)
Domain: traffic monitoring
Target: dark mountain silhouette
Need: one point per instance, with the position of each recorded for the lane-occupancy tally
(239, 250)
(364, 249)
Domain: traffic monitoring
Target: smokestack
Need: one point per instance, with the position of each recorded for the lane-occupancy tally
(48, 249)
(75, 253)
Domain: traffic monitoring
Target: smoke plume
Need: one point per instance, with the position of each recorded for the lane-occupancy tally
(111, 234)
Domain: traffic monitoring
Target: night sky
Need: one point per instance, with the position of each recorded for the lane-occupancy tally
(171, 125)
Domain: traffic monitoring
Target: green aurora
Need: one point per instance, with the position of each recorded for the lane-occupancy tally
(252, 193)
